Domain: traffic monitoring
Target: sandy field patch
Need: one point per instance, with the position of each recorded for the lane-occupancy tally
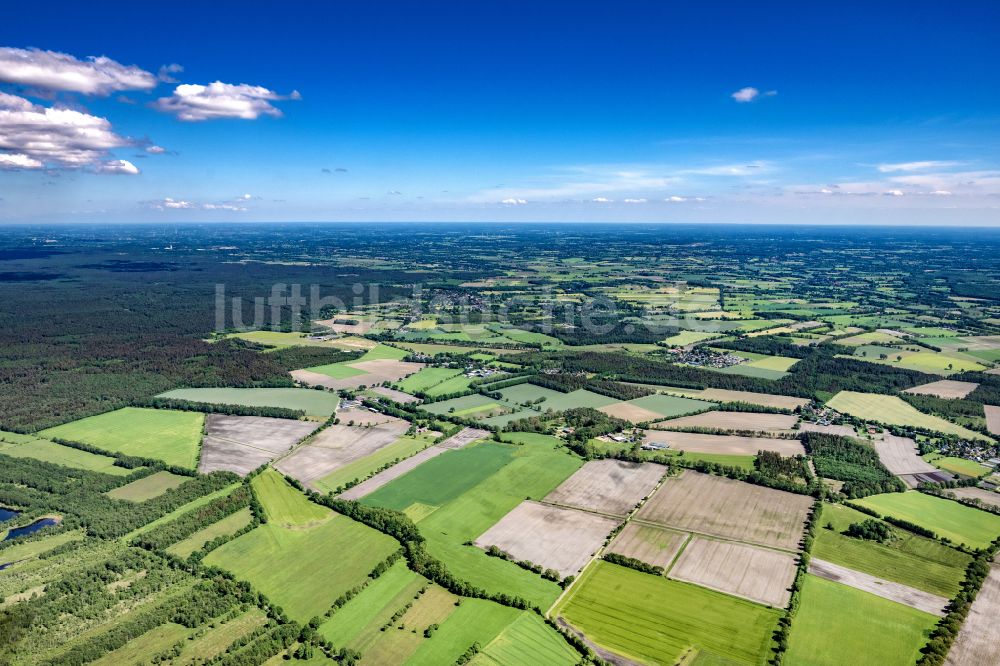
(981, 494)
(725, 395)
(241, 444)
(722, 507)
(386, 476)
(630, 413)
(456, 441)
(757, 574)
(841, 430)
(360, 328)
(337, 446)
(376, 372)
(363, 416)
(608, 486)
(976, 644)
(727, 444)
(463, 437)
(553, 537)
(899, 455)
(648, 543)
(903, 594)
(731, 421)
(992, 419)
(944, 388)
(396, 396)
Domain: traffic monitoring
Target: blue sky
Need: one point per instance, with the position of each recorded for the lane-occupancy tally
(644, 111)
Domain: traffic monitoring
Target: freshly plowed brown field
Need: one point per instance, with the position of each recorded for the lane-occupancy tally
(608, 486)
(722, 507)
(757, 574)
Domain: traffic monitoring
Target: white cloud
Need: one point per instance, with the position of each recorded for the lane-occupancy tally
(98, 75)
(167, 72)
(941, 193)
(514, 202)
(750, 94)
(916, 166)
(192, 102)
(18, 161)
(675, 199)
(174, 204)
(602, 200)
(156, 150)
(118, 166)
(893, 193)
(635, 201)
(31, 134)
(224, 206)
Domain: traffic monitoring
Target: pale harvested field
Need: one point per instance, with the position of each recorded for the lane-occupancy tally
(463, 437)
(842, 430)
(992, 419)
(608, 486)
(396, 396)
(648, 543)
(553, 537)
(944, 388)
(337, 446)
(722, 507)
(725, 395)
(727, 444)
(976, 644)
(899, 455)
(757, 574)
(630, 413)
(386, 476)
(360, 328)
(903, 594)
(376, 372)
(731, 421)
(981, 494)
(362, 416)
(241, 444)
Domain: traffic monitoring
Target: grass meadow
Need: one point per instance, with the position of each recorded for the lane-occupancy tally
(909, 559)
(657, 620)
(167, 435)
(837, 624)
(960, 523)
(891, 410)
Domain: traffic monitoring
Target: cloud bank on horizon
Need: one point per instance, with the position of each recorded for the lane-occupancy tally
(499, 137)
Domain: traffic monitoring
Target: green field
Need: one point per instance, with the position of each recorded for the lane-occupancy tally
(22, 446)
(30, 549)
(837, 624)
(523, 393)
(689, 337)
(926, 361)
(475, 621)
(960, 523)
(356, 624)
(426, 378)
(467, 404)
(171, 436)
(228, 525)
(456, 384)
(890, 410)
(345, 369)
(180, 511)
(286, 563)
(460, 494)
(311, 401)
(653, 619)
(908, 559)
(527, 640)
(138, 649)
(279, 339)
(284, 505)
(956, 465)
(148, 487)
(404, 447)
